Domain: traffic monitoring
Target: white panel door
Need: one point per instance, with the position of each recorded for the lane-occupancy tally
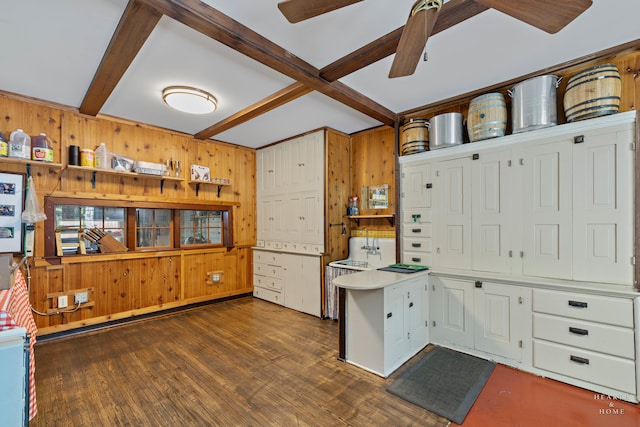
(268, 170)
(312, 218)
(499, 314)
(451, 310)
(603, 208)
(395, 327)
(414, 181)
(547, 209)
(294, 222)
(453, 207)
(282, 173)
(311, 161)
(278, 218)
(492, 212)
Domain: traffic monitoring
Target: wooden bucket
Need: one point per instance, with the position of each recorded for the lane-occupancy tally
(415, 136)
(592, 93)
(487, 117)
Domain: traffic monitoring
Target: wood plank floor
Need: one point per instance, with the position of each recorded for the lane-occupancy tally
(243, 362)
(246, 362)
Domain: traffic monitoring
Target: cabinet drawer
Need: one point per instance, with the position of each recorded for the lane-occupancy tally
(259, 268)
(416, 230)
(272, 244)
(422, 258)
(413, 244)
(266, 257)
(267, 295)
(612, 340)
(416, 216)
(274, 271)
(610, 310)
(596, 368)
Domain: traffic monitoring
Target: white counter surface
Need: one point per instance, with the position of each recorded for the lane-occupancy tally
(373, 279)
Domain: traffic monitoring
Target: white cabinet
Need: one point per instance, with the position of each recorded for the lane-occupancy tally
(290, 182)
(288, 279)
(553, 203)
(587, 338)
(385, 327)
(416, 229)
(480, 315)
(302, 283)
(14, 378)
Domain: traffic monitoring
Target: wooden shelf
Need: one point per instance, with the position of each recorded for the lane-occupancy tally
(197, 183)
(95, 171)
(357, 218)
(14, 161)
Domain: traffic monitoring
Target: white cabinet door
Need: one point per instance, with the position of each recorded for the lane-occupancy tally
(268, 172)
(451, 308)
(453, 214)
(396, 343)
(278, 218)
(603, 207)
(311, 162)
(501, 313)
(415, 318)
(312, 218)
(492, 213)
(302, 283)
(416, 185)
(547, 209)
(282, 173)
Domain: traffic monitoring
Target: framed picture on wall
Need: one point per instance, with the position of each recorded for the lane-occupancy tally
(11, 197)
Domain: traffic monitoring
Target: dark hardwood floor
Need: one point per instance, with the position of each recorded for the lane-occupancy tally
(243, 362)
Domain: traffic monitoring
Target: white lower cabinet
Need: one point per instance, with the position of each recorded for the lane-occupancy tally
(385, 327)
(480, 315)
(288, 279)
(588, 338)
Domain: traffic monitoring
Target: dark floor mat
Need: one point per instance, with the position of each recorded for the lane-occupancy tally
(445, 382)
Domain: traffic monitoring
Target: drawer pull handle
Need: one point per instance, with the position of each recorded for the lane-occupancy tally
(416, 230)
(578, 304)
(478, 283)
(416, 245)
(410, 304)
(578, 331)
(416, 259)
(581, 360)
(389, 315)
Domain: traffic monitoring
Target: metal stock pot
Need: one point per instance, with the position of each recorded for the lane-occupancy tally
(445, 130)
(533, 104)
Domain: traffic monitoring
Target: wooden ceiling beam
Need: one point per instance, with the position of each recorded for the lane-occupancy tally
(453, 12)
(276, 100)
(214, 24)
(135, 26)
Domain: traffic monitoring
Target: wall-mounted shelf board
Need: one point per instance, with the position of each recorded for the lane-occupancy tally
(96, 171)
(357, 218)
(197, 183)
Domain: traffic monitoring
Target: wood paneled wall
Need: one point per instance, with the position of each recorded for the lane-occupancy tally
(123, 285)
(373, 162)
(338, 185)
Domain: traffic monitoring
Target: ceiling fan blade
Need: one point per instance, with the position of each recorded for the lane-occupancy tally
(413, 39)
(299, 10)
(548, 15)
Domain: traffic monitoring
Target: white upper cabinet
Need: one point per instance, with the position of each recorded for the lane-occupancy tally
(553, 203)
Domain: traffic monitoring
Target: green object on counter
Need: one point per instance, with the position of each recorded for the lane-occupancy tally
(417, 267)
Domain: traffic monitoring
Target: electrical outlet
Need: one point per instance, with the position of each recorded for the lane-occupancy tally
(81, 297)
(215, 277)
(63, 301)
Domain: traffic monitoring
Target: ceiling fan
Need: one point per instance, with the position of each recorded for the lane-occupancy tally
(548, 15)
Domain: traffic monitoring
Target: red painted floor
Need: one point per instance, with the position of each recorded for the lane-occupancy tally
(515, 398)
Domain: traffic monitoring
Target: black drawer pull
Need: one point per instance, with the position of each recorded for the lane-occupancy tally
(416, 245)
(478, 283)
(416, 259)
(578, 304)
(416, 230)
(389, 315)
(579, 360)
(578, 331)
(410, 304)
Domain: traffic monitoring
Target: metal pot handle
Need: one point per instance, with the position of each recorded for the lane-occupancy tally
(510, 93)
(558, 82)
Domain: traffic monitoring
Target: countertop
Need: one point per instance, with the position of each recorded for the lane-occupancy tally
(373, 279)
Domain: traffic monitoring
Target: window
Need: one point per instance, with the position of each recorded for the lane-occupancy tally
(153, 228)
(73, 222)
(147, 226)
(200, 227)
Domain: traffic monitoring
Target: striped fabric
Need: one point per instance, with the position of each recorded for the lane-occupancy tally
(15, 305)
(331, 291)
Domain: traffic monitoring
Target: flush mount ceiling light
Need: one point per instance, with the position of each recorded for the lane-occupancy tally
(189, 99)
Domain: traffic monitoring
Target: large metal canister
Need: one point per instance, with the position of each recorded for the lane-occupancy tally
(533, 103)
(445, 130)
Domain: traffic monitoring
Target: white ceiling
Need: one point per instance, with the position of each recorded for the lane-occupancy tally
(52, 49)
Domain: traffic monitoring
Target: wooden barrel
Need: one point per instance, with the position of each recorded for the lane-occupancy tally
(592, 93)
(487, 117)
(415, 136)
